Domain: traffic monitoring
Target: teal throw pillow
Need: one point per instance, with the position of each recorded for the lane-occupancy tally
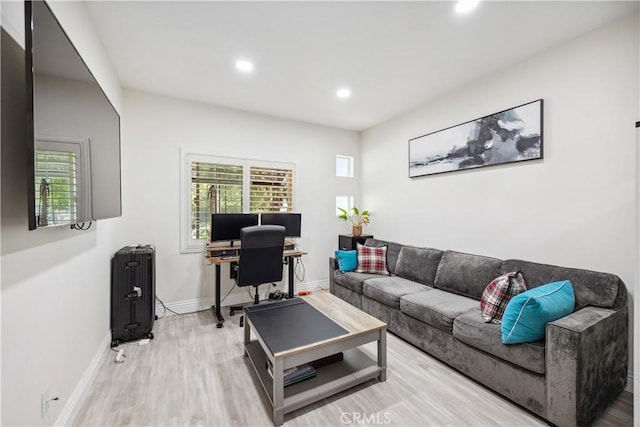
(527, 314)
(347, 260)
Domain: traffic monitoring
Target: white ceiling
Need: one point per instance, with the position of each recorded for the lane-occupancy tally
(394, 56)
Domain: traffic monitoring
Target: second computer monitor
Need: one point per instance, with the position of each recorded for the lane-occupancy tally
(292, 222)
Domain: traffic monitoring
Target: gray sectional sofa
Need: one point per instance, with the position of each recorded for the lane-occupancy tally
(431, 299)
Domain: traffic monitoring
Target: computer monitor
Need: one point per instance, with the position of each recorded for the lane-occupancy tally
(226, 226)
(292, 222)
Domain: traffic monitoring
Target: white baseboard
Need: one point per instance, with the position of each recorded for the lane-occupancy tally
(315, 285)
(79, 393)
(184, 307)
(236, 298)
(629, 386)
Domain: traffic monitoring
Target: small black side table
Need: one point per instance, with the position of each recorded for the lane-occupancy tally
(347, 242)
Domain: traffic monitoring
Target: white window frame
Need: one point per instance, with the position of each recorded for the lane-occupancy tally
(191, 245)
(82, 149)
(350, 171)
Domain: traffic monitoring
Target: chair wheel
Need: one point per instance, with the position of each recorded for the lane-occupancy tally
(150, 335)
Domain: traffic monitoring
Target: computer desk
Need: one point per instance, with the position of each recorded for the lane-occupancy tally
(231, 255)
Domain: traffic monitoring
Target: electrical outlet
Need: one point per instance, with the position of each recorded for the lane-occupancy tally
(44, 404)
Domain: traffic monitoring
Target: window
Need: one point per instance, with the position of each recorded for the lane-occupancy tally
(344, 202)
(215, 188)
(56, 187)
(229, 185)
(62, 180)
(344, 166)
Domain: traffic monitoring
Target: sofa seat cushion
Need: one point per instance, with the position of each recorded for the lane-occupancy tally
(471, 329)
(436, 308)
(352, 280)
(388, 290)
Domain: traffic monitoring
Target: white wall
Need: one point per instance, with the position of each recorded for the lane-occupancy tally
(154, 130)
(55, 282)
(574, 208)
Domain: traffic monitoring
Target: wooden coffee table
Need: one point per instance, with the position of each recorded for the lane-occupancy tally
(356, 367)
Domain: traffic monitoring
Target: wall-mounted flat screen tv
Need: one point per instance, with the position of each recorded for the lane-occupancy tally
(73, 130)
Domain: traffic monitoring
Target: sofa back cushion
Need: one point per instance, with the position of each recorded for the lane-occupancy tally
(590, 287)
(393, 250)
(466, 274)
(418, 264)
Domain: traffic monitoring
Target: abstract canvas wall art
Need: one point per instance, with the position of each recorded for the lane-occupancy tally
(512, 135)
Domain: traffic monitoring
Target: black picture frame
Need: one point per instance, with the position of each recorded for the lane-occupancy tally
(508, 136)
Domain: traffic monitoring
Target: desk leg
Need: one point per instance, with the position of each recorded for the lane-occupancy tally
(216, 308)
(290, 266)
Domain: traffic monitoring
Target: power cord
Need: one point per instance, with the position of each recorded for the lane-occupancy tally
(299, 265)
(81, 226)
(165, 308)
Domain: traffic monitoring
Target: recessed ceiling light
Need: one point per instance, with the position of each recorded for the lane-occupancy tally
(343, 93)
(244, 66)
(464, 6)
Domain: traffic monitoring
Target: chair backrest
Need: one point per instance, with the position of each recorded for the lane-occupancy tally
(261, 249)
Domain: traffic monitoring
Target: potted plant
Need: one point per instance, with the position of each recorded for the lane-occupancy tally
(356, 217)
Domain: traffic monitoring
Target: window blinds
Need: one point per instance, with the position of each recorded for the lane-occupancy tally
(56, 186)
(271, 189)
(215, 188)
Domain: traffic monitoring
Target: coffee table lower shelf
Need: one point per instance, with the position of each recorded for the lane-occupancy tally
(355, 368)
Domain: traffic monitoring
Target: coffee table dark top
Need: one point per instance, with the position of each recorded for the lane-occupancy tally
(292, 323)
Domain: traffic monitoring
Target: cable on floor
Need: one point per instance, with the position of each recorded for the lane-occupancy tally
(299, 266)
(165, 308)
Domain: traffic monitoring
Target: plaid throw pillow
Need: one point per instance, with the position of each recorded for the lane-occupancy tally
(498, 293)
(372, 260)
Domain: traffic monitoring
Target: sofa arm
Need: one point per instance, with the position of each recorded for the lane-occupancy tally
(586, 363)
(333, 266)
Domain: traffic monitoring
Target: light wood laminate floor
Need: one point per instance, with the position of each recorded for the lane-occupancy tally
(195, 374)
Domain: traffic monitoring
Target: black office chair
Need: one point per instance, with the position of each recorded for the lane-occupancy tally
(261, 250)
